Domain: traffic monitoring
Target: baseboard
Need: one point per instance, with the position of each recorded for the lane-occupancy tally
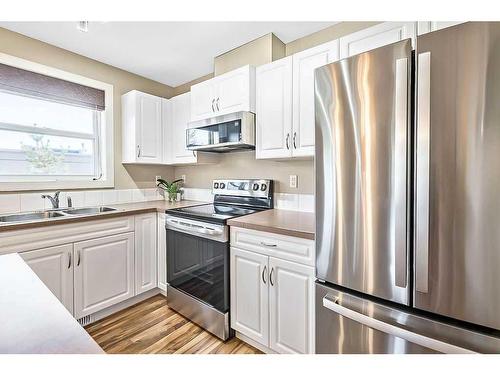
(255, 344)
(123, 305)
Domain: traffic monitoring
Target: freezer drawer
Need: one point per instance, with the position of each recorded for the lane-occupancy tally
(349, 324)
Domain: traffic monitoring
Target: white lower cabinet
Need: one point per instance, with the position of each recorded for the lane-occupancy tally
(162, 252)
(145, 252)
(103, 273)
(54, 266)
(291, 302)
(272, 301)
(250, 294)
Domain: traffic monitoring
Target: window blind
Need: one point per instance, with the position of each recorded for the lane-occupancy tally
(25, 82)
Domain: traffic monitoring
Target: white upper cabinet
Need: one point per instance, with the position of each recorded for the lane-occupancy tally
(304, 64)
(145, 252)
(376, 36)
(54, 266)
(230, 92)
(274, 109)
(142, 128)
(181, 114)
(425, 27)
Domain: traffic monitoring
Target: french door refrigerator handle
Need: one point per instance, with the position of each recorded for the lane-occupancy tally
(400, 166)
(332, 303)
(422, 173)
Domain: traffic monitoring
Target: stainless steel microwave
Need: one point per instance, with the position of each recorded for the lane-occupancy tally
(231, 132)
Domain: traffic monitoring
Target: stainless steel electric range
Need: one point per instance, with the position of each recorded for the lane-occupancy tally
(198, 251)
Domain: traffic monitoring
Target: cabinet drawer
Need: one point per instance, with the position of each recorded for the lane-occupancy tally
(285, 247)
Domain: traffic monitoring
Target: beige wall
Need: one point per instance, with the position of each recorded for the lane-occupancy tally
(187, 86)
(244, 165)
(30, 49)
(260, 51)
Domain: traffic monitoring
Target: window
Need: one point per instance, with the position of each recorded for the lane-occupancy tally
(54, 132)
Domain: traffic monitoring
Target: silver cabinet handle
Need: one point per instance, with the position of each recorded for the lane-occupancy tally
(69, 260)
(422, 173)
(138, 151)
(264, 274)
(294, 138)
(217, 104)
(288, 141)
(78, 261)
(271, 277)
(332, 303)
(213, 101)
(400, 177)
(268, 244)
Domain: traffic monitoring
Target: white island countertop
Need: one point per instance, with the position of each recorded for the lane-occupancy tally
(32, 320)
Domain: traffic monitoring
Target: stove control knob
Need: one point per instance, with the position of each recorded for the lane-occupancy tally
(222, 185)
(255, 187)
(263, 187)
(216, 185)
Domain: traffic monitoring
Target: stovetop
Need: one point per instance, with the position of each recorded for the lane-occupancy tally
(218, 213)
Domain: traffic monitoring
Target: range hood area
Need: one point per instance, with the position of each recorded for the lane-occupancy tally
(221, 134)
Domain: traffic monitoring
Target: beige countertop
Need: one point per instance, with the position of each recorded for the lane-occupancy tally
(123, 209)
(289, 223)
(33, 319)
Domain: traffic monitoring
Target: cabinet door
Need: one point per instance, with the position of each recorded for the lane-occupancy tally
(274, 109)
(236, 91)
(291, 305)
(103, 272)
(54, 266)
(376, 36)
(167, 131)
(203, 100)
(145, 252)
(250, 295)
(162, 252)
(304, 63)
(148, 129)
(180, 106)
(425, 27)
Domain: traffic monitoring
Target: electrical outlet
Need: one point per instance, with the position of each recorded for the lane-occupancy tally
(293, 181)
(156, 179)
(183, 178)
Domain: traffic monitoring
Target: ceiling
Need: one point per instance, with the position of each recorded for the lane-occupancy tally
(172, 53)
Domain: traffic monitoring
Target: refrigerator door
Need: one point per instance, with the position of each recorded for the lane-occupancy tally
(362, 125)
(348, 324)
(457, 236)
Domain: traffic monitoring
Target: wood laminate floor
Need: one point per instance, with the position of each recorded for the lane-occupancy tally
(152, 327)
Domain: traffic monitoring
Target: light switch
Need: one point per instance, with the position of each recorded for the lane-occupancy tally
(293, 181)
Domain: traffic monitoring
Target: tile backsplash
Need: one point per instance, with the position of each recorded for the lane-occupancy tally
(10, 203)
(283, 201)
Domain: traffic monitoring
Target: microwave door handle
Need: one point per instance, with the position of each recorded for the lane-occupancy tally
(334, 304)
(400, 177)
(422, 173)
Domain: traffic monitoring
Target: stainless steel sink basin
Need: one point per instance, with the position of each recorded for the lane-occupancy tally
(88, 211)
(31, 216)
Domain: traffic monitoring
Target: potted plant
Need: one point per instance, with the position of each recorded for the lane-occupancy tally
(171, 188)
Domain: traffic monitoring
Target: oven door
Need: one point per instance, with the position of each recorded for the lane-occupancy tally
(198, 260)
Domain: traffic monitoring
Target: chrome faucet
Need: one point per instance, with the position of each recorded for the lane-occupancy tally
(54, 200)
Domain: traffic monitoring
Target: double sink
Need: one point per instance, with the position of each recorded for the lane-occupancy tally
(53, 214)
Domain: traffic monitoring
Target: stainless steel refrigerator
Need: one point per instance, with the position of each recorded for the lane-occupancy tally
(408, 196)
